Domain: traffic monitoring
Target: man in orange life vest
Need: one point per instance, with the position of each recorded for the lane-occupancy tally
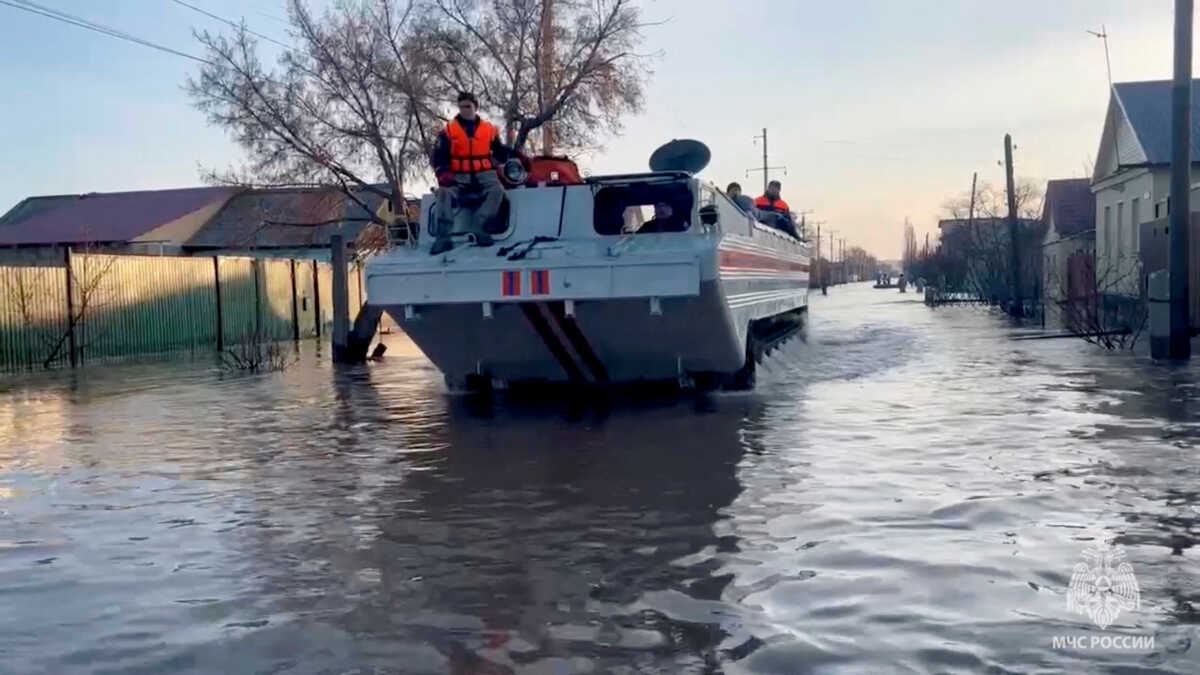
(465, 160)
(774, 210)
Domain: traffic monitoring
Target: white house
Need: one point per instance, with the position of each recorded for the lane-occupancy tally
(1132, 177)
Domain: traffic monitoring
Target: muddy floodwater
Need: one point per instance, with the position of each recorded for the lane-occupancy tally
(909, 490)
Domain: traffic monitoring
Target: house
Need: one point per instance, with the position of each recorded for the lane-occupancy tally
(980, 251)
(107, 276)
(285, 223)
(143, 222)
(1132, 177)
(1069, 245)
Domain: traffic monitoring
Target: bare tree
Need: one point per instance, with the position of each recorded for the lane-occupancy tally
(90, 268)
(861, 262)
(348, 107)
(532, 61)
(909, 254)
(979, 246)
(257, 353)
(992, 202)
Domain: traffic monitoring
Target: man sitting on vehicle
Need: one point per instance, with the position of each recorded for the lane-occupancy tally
(775, 212)
(465, 163)
(734, 192)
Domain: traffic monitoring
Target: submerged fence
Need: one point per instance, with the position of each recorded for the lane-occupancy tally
(93, 307)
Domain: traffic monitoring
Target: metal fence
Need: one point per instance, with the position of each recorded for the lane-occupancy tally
(111, 307)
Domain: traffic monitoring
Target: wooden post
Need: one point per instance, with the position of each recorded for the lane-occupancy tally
(70, 305)
(220, 318)
(295, 308)
(341, 296)
(317, 296)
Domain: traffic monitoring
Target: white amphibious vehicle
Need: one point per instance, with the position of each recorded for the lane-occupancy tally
(584, 285)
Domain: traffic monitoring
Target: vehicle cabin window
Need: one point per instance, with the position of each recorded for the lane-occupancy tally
(623, 209)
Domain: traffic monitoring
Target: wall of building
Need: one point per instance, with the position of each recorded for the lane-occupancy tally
(1117, 227)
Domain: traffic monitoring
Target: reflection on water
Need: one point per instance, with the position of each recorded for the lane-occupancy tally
(908, 490)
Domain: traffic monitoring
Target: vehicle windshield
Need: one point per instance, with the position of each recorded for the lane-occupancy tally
(643, 208)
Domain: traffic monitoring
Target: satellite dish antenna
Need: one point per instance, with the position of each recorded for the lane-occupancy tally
(681, 155)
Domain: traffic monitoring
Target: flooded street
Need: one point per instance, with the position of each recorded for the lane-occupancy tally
(907, 491)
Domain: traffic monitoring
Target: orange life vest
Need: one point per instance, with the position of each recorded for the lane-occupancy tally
(471, 154)
(765, 204)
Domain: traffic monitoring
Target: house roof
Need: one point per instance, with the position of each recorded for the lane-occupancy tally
(284, 218)
(107, 217)
(1072, 205)
(1147, 107)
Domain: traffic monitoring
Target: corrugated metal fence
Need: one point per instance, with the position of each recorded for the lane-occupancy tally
(125, 306)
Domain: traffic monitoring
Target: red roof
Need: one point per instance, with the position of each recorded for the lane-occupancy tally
(108, 217)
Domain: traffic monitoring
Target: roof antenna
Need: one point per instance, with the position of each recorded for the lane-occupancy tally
(1103, 35)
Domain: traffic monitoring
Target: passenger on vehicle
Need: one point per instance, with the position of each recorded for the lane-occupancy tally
(734, 192)
(771, 202)
(773, 211)
(663, 220)
(464, 161)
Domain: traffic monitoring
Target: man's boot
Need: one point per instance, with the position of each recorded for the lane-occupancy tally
(441, 245)
(483, 239)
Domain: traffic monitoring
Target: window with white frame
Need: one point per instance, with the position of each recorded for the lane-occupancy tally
(1121, 251)
(1135, 219)
(1108, 238)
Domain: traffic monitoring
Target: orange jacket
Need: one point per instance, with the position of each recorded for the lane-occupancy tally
(765, 204)
(471, 154)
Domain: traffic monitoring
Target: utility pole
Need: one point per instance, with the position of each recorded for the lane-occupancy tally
(842, 259)
(801, 225)
(546, 69)
(832, 255)
(764, 137)
(971, 208)
(816, 269)
(765, 168)
(1180, 346)
(1014, 257)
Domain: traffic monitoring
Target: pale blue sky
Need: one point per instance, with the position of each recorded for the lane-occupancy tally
(880, 109)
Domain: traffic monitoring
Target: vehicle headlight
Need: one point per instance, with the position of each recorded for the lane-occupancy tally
(514, 171)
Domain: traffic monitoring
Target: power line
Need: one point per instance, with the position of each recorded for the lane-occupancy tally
(227, 21)
(64, 17)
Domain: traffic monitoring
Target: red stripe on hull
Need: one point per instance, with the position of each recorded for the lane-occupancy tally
(753, 261)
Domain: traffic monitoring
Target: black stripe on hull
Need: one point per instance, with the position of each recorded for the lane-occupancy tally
(570, 328)
(540, 326)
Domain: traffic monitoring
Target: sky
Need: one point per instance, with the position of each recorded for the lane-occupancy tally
(880, 110)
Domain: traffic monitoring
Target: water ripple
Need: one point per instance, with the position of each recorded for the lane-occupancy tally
(907, 491)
